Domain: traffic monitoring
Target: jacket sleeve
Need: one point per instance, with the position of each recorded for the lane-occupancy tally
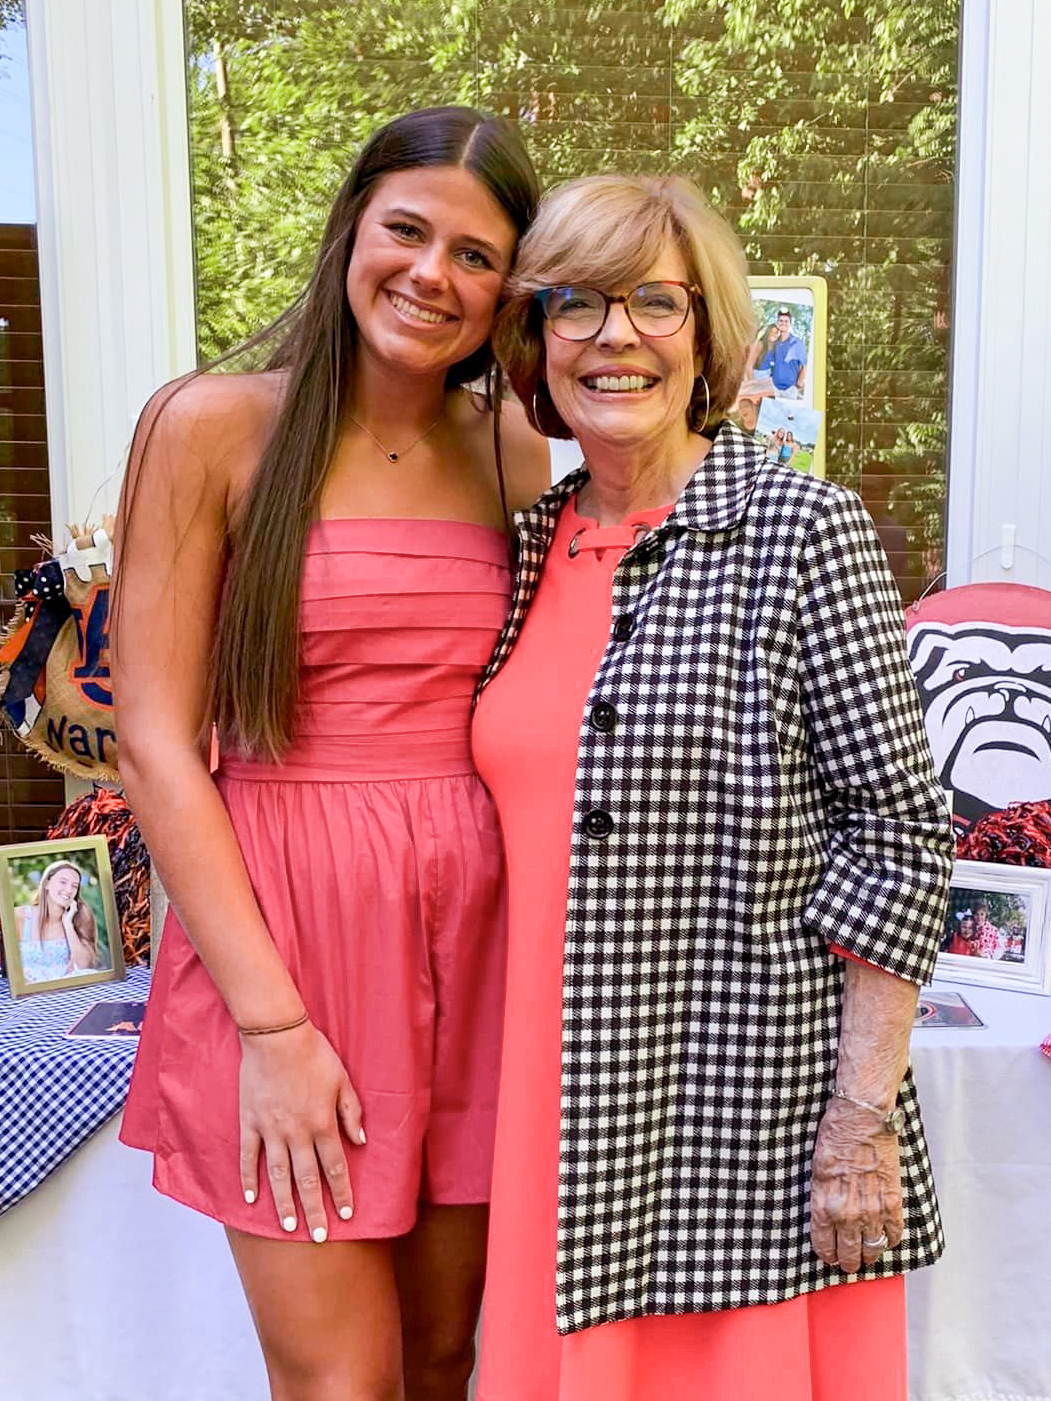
(884, 892)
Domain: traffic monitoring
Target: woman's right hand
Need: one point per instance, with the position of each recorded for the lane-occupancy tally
(295, 1096)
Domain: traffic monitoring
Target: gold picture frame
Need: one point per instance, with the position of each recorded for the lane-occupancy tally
(764, 407)
(26, 870)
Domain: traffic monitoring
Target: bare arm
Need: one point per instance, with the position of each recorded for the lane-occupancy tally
(170, 566)
(856, 1177)
(170, 562)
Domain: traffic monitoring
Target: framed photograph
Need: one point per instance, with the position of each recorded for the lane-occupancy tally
(58, 914)
(786, 368)
(996, 931)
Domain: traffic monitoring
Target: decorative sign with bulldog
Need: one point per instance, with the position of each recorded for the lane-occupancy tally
(981, 655)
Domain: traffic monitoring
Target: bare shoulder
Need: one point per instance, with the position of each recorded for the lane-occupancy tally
(527, 457)
(206, 432)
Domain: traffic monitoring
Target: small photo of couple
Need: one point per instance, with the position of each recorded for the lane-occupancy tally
(789, 433)
(779, 360)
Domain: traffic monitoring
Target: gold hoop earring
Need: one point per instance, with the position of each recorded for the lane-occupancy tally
(707, 400)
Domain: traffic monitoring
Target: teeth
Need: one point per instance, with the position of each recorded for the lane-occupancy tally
(619, 384)
(408, 308)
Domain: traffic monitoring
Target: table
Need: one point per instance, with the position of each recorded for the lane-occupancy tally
(978, 1320)
(111, 1292)
(55, 1091)
(168, 1321)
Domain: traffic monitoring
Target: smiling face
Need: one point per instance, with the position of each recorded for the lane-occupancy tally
(784, 327)
(62, 887)
(621, 389)
(431, 251)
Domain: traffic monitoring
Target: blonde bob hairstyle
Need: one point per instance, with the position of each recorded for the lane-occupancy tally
(607, 231)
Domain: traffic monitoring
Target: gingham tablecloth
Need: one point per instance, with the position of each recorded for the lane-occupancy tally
(55, 1091)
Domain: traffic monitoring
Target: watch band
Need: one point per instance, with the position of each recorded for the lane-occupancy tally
(892, 1119)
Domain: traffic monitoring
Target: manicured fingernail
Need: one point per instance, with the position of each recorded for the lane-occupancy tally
(346, 1212)
(249, 1196)
(361, 1135)
(320, 1234)
(289, 1223)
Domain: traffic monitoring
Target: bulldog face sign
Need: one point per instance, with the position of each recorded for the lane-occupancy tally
(981, 655)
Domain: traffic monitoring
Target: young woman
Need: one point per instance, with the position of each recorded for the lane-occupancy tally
(56, 932)
(315, 557)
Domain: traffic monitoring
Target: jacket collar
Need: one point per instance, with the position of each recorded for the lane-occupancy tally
(714, 499)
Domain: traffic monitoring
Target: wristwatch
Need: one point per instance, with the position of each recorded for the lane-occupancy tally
(893, 1119)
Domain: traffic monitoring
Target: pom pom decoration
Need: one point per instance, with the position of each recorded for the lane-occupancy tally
(1019, 835)
(106, 813)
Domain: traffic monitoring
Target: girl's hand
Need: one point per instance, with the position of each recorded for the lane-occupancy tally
(67, 918)
(855, 1188)
(295, 1097)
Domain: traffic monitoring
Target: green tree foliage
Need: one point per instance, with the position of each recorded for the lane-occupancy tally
(825, 129)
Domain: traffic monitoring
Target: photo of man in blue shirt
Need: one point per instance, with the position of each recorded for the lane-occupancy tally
(787, 359)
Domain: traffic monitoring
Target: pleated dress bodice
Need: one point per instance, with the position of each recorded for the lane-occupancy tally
(398, 619)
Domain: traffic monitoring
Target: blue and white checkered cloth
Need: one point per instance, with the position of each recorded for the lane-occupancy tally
(56, 1091)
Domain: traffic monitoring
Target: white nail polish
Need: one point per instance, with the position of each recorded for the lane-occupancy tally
(346, 1212)
(249, 1196)
(320, 1234)
(289, 1223)
(361, 1135)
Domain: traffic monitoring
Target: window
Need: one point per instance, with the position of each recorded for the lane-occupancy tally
(825, 130)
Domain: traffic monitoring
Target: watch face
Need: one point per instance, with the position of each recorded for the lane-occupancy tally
(895, 1120)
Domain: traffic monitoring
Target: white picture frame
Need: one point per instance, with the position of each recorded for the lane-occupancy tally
(1017, 911)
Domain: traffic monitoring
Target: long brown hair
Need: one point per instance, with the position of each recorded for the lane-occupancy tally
(83, 919)
(255, 680)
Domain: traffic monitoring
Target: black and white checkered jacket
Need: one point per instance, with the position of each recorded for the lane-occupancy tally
(753, 786)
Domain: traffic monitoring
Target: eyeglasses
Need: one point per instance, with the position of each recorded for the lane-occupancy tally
(654, 309)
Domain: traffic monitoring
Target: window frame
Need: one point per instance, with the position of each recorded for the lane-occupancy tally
(117, 283)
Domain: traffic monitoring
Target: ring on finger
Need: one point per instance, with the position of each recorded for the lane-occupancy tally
(880, 1243)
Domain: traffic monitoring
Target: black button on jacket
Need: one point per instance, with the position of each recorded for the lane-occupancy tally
(770, 793)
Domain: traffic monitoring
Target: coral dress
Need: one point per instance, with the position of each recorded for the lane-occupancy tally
(843, 1342)
(375, 855)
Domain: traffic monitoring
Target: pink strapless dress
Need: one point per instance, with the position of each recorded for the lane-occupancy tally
(375, 855)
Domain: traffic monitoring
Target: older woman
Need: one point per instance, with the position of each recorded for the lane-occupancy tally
(728, 861)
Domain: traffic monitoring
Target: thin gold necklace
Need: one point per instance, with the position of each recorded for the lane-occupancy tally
(397, 456)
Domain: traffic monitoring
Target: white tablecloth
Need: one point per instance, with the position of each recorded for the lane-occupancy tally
(109, 1292)
(980, 1320)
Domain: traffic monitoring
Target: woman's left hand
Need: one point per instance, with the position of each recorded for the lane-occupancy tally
(855, 1188)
